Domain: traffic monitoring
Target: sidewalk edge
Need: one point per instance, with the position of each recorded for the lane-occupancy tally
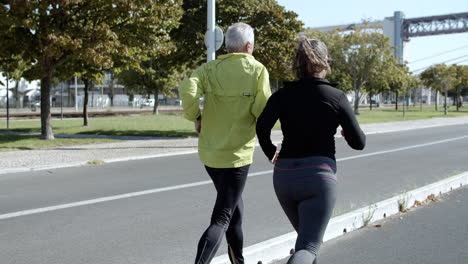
(279, 247)
(83, 163)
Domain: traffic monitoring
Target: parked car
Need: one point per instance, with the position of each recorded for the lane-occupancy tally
(147, 102)
(35, 105)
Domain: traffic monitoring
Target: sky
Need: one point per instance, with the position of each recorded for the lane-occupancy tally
(337, 12)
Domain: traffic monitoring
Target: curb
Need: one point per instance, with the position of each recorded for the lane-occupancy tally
(279, 247)
(84, 163)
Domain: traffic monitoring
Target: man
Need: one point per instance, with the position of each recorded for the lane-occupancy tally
(236, 88)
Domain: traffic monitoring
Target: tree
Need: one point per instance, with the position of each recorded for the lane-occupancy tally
(14, 67)
(461, 76)
(410, 82)
(361, 60)
(153, 77)
(400, 81)
(441, 78)
(387, 76)
(276, 31)
(52, 32)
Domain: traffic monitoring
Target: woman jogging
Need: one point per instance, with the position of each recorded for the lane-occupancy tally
(310, 110)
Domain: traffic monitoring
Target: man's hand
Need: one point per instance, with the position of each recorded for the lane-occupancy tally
(198, 126)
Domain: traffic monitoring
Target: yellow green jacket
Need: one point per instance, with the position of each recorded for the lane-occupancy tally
(235, 88)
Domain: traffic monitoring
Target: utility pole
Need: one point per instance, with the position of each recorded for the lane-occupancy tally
(211, 30)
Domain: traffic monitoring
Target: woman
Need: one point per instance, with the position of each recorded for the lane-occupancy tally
(310, 110)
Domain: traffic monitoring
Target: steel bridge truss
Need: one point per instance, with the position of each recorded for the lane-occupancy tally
(435, 25)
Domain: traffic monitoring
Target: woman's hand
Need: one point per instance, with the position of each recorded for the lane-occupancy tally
(275, 158)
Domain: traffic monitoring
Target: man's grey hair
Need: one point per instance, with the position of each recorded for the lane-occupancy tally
(237, 36)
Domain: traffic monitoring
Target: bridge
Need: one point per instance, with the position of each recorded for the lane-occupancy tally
(399, 29)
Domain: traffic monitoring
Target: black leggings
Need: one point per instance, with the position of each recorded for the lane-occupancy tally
(306, 190)
(226, 217)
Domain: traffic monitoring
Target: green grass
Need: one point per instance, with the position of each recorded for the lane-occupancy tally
(143, 125)
(177, 126)
(165, 126)
(381, 115)
(95, 162)
(14, 142)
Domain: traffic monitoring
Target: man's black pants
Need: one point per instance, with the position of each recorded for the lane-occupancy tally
(226, 217)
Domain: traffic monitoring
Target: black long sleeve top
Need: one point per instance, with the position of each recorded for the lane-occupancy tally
(310, 110)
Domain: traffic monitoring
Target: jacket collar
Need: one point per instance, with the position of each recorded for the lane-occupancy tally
(234, 55)
(309, 81)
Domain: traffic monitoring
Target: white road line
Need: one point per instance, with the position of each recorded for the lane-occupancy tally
(279, 247)
(194, 184)
(403, 148)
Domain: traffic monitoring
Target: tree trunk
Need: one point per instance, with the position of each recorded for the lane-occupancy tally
(458, 99)
(445, 101)
(69, 95)
(16, 94)
(404, 104)
(437, 100)
(370, 101)
(156, 103)
(421, 102)
(396, 100)
(7, 101)
(111, 90)
(356, 101)
(46, 127)
(85, 102)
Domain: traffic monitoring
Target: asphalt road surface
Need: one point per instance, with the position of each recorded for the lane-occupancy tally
(433, 234)
(154, 210)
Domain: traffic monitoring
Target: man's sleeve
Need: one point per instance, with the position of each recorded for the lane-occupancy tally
(190, 91)
(263, 93)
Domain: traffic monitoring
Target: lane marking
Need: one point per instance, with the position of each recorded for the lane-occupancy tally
(188, 152)
(200, 183)
(403, 148)
(279, 247)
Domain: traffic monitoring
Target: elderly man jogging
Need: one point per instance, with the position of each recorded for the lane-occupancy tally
(236, 88)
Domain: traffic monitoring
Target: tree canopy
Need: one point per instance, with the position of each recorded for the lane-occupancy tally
(154, 76)
(443, 78)
(362, 61)
(276, 30)
(46, 34)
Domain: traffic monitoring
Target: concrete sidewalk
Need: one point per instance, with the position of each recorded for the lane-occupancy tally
(432, 233)
(16, 161)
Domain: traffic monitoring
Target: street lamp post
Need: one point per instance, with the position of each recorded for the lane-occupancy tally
(211, 30)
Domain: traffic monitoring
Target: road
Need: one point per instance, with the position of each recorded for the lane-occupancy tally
(433, 234)
(117, 223)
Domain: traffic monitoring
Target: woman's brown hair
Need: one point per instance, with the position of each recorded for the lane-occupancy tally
(311, 58)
